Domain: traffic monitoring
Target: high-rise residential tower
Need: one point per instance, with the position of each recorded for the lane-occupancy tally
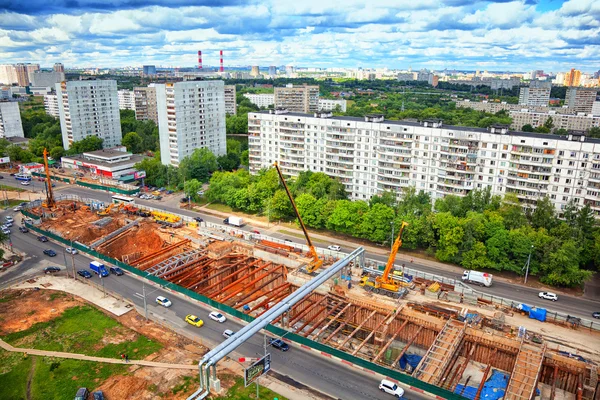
(10, 120)
(230, 100)
(303, 99)
(145, 103)
(191, 115)
(89, 107)
(536, 94)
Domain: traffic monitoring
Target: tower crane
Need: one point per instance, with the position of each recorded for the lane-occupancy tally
(50, 203)
(316, 262)
(384, 284)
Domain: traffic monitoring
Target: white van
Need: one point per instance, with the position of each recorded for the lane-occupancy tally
(390, 387)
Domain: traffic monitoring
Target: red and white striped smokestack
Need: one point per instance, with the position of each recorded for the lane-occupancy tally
(221, 69)
(199, 59)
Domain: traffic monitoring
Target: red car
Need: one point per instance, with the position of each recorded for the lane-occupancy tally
(255, 231)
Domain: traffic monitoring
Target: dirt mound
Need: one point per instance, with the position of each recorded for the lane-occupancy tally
(143, 239)
(20, 309)
(126, 387)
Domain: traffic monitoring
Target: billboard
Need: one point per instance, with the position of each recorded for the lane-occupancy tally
(4, 160)
(257, 369)
(139, 174)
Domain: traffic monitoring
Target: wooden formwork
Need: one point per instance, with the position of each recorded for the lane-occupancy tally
(439, 355)
(524, 377)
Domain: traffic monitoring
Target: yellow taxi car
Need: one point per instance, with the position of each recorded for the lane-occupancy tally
(193, 320)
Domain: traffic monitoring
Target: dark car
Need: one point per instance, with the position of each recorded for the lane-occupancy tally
(23, 229)
(50, 252)
(279, 344)
(596, 314)
(98, 395)
(51, 270)
(183, 200)
(42, 239)
(82, 394)
(1, 177)
(116, 270)
(13, 174)
(84, 273)
(198, 219)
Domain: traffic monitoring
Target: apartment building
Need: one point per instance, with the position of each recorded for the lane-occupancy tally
(145, 103)
(261, 100)
(10, 120)
(46, 79)
(331, 105)
(7, 74)
(493, 107)
(572, 78)
(304, 99)
(371, 155)
(581, 99)
(126, 99)
(230, 100)
(59, 67)
(89, 107)
(190, 115)
(536, 94)
(572, 121)
(51, 105)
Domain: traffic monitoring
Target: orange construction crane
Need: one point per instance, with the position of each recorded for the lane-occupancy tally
(384, 284)
(50, 203)
(316, 262)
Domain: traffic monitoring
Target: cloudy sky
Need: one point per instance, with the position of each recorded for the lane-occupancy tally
(464, 34)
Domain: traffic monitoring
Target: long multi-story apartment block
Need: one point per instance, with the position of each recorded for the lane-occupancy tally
(371, 155)
(126, 99)
(493, 107)
(145, 103)
(89, 107)
(10, 120)
(51, 105)
(581, 99)
(261, 100)
(191, 114)
(331, 105)
(303, 98)
(573, 121)
(230, 100)
(536, 94)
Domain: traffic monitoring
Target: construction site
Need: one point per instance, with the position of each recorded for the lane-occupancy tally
(421, 327)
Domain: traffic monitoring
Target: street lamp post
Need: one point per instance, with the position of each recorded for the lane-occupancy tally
(392, 240)
(528, 260)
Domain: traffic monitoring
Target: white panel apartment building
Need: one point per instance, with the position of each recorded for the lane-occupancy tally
(330, 105)
(536, 94)
(10, 120)
(261, 100)
(89, 108)
(230, 100)
(126, 99)
(371, 155)
(191, 114)
(51, 105)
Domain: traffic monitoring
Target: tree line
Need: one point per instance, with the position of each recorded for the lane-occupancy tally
(478, 231)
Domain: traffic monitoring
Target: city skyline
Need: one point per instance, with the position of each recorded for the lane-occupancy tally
(453, 34)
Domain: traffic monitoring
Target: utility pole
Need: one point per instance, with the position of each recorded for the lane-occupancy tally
(103, 288)
(528, 260)
(392, 240)
(66, 265)
(73, 258)
(145, 305)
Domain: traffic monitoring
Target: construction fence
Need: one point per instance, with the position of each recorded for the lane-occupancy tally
(53, 177)
(397, 375)
(128, 192)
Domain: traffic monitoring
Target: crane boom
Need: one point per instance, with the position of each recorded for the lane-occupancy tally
(385, 278)
(50, 203)
(317, 262)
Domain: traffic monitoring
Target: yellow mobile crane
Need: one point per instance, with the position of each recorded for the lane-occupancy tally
(49, 203)
(316, 262)
(384, 284)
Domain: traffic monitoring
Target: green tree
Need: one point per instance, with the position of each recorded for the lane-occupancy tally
(57, 152)
(199, 165)
(527, 128)
(191, 188)
(562, 268)
(244, 158)
(90, 143)
(228, 162)
(347, 216)
(450, 235)
(279, 206)
(594, 132)
(476, 257)
(549, 124)
(133, 142)
(544, 215)
(375, 224)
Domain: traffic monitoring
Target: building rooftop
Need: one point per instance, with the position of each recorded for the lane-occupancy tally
(107, 153)
(17, 139)
(416, 123)
(133, 158)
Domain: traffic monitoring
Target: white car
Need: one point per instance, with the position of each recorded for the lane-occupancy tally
(17, 208)
(217, 316)
(163, 301)
(548, 296)
(9, 218)
(334, 247)
(71, 250)
(390, 387)
(227, 333)
(5, 231)
(25, 183)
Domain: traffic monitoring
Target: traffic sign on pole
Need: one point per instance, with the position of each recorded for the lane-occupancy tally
(260, 367)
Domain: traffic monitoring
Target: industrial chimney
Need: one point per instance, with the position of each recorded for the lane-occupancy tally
(199, 59)
(221, 69)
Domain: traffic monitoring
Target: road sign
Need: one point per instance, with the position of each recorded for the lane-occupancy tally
(257, 369)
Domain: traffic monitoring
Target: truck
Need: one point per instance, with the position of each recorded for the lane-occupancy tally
(478, 278)
(99, 269)
(235, 221)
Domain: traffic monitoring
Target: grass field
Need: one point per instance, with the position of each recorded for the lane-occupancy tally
(239, 392)
(11, 188)
(78, 330)
(219, 207)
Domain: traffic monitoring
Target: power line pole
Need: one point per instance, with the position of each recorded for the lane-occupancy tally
(528, 260)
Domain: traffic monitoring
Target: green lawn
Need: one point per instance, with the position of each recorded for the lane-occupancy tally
(78, 330)
(239, 392)
(11, 203)
(300, 235)
(11, 188)
(220, 207)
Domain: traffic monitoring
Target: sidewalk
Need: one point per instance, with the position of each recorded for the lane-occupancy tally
(83, 357)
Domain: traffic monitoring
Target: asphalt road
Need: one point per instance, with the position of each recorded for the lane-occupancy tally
(326, 376)
(571, 305)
